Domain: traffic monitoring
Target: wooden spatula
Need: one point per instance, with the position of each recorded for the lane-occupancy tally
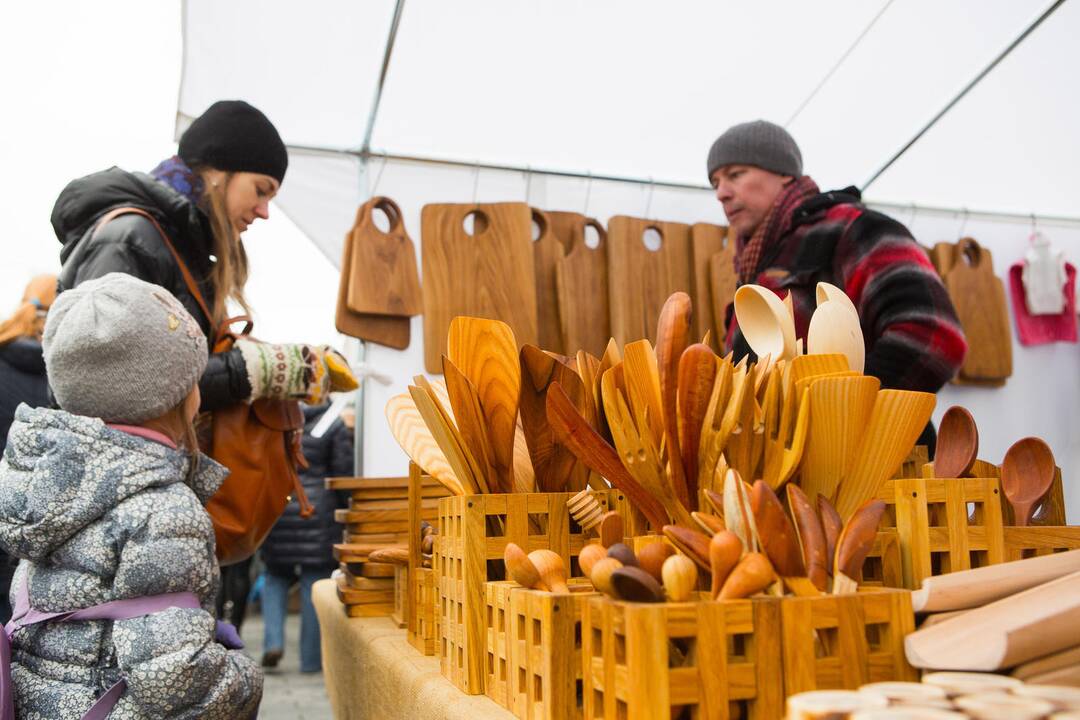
(410, 432)
(840, 410)
(470, 418)
(642, 377)
(811, 537)
(854, 544)
(957, 444)
(486, 352)
(1027, 472)
(807, 366)
(697, 373)
(571, 430)
(898, 419)
(726, 406)
(555, 467)
(738, 515)
(672, 339)
(832, 524)
(778, 538)
(448, 439)
(693, 544)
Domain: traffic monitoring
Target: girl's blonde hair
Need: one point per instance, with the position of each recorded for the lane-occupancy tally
(28, 320)
(230, 272)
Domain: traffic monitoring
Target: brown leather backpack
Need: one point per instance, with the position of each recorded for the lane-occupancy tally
(259, 442)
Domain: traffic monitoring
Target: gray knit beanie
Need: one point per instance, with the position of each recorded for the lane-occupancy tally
(759, 143)
(121, 349)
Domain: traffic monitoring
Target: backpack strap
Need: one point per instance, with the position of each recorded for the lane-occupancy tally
(25, 615)
(189, 280)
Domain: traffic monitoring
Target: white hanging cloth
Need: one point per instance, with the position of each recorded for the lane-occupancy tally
(1044, 277)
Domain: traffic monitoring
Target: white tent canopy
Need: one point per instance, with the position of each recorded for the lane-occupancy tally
(639, 90)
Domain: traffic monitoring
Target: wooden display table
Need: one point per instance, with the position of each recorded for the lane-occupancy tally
(371, 671)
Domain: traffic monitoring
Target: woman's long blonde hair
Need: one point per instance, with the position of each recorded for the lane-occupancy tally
(230, 272)
(28, 320)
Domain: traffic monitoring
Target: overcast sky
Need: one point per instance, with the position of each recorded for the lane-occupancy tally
(91, 85)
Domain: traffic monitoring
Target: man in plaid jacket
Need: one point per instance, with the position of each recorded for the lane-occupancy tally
(792, 236)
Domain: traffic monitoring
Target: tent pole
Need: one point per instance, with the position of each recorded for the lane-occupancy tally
(967, 88)
(399, 7)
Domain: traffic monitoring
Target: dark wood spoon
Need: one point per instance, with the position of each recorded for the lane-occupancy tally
(957, 444)
(1027, 472)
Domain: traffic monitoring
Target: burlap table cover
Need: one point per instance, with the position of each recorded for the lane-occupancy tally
(372, 673)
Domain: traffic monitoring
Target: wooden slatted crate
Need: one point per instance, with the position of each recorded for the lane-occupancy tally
(845, 641)
(544, 635)
(644, 661)
(1051, 512)
(1021, 542)
(473, 533)
(496, 640)
(422, 618)
(882, 567)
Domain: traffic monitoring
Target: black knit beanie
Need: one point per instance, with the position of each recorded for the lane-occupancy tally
(236, 137)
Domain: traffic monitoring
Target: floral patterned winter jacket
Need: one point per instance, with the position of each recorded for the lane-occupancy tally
(96, 515)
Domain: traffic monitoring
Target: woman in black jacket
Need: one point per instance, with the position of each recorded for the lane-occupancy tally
(22, 380)
(302, 550)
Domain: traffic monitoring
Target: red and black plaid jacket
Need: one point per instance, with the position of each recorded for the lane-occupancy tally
(913, 338)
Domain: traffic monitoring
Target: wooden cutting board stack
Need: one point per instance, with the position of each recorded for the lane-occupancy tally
(712, 249)
(379, 289)
(581, 285)
(377, 517)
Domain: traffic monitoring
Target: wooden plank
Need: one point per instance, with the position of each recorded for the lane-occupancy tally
(956, 517)
(911, 525)
(581, 281)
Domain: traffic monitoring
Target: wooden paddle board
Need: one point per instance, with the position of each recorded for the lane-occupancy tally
(548, 249)
(389, 330)
(383, 278)
(979, 298)
(712, 252)
(581, 280)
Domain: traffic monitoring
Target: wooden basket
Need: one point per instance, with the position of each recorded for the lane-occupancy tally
(473, 533)
(643, 661)
(422, 618)
(1022, 542)
(545, 652)
(882, 567)
(497, 664)
(844, 641)
(1051, 512)
(401, 593)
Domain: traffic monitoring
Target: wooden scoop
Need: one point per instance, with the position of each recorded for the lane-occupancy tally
(636, 585)
(551, 568)
(672, 338)
(693, 544)
(1027, 472)
(752, 575)
(570, 429)
(765, 322)
(811, 537)
(612, 529)
(519, 567)
(835, 329)
(957, 444)
(725, 549)
(601, 574)
(854, 545)
(651, 557)
(680, 575)
(589, 556)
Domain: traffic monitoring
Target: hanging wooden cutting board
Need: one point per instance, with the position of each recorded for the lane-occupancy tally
(979, 298)
(581, 280)
(706, 243)
(548, 249)
(639, 279)
(488, 274)
(382, 274)
(389, 330)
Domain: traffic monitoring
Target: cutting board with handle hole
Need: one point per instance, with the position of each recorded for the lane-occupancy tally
(712, 250)
(979, 298)
(382, 272)
(548, 249)
(581, 281)
(488, 273)
(390, 330)
(640, 279)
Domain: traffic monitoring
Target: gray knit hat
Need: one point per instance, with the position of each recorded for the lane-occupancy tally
(759, 143)
(121, 349)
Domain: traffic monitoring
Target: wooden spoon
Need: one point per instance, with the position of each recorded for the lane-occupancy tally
(778, 537)
(854, 545)
(697, 375)
(601, 574)
(465, 402)
(765, 322)
(753, 574)
(832, 524)
(519, 567)
(651, 558)
(636, 585)
(589, 556)
(672, 338)
(957, 444)
(834, 329)
(612, 529)
(811, 536)
(1027, 472)
(570, 429)
(725, 549)
(693, 544)
(551, 568)
(487, 353)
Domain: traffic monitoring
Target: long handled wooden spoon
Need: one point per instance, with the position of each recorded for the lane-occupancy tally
(1027, 472)
(672, 338)
(555, 468)
(697, 376)
(957, 444)
(811, 536)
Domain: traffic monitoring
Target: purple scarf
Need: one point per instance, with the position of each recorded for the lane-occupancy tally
(177, 175)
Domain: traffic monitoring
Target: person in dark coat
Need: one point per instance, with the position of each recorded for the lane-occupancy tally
(791, 236)
(230, 163)
(22, 380)
(302, 550)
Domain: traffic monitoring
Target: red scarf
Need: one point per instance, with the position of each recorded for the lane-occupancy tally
(774, 227)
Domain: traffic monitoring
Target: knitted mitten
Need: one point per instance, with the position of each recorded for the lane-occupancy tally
(295, 371)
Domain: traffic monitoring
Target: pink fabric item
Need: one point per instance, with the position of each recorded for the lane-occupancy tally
(143, 432)
(1043, 329)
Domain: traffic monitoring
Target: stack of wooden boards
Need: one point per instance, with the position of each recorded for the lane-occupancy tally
(1021, 616)
(967, 269)
(377, 517)
(532, 269)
